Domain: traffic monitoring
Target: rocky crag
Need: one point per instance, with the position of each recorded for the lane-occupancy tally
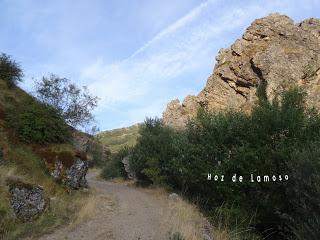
(273, 52)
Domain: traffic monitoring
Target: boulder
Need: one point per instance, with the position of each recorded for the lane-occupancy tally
(76, 175)
(131, 174)
(273, 52)
(27, 200)
(66, 166)
(174, 197)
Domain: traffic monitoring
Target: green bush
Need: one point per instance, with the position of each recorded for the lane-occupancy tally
(99, 155)
(35, 122)
(115, 168)
(10, 71)
(308, 230)
(151, 157)
(281, 137)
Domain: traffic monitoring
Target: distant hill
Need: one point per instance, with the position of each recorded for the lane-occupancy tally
(117, 138)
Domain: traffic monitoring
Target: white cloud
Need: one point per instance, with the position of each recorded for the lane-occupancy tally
(156, 67)
(176, 59)
(173, 27)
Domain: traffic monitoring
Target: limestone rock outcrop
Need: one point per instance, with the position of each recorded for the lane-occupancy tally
(66, 166)
(27, 200)
(76, 175)
(273, 51)
(126, 163)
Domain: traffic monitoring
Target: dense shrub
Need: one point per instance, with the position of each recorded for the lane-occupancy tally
(35, 122)
(98, 153)
(10, 71)
(307, 230)
(278, 138)
(151, 155)
(115, 168)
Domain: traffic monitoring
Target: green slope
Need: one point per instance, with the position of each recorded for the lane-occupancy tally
(118, 138)
(20, 160)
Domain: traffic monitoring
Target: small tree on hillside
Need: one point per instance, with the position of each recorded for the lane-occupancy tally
(73, 103)
(10, 71)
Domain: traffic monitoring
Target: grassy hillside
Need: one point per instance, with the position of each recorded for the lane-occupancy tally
(20, 160)
(118, 138)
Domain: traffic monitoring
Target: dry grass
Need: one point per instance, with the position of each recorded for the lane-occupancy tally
(179, 216)
(6, 172)
(87, 209)
(184, 218)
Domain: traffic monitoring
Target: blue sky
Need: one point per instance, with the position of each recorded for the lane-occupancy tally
(136, 55)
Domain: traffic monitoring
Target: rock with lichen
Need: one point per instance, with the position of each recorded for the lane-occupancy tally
(76, 175)
(27, 200)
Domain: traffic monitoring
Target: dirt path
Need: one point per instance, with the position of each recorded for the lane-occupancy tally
(122, 212)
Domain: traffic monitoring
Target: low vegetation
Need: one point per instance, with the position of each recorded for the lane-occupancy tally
(278, 138)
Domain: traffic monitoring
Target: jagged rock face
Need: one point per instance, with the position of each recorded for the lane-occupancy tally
(273, 50)
(27, 200)
(177, 114)
(76, 176)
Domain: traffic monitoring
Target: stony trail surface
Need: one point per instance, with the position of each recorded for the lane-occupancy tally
(122, 212)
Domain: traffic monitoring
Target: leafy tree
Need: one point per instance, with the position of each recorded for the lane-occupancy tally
(73, 103)
(10, 71)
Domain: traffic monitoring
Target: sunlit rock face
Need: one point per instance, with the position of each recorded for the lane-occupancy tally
(273, 51)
